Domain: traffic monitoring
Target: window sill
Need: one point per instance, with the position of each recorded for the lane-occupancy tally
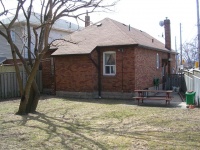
(109, 75)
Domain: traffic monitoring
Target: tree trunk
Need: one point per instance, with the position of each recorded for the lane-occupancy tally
(36, 98)
(22, 106)
(33, 100)
(30, 105)
(30, 84)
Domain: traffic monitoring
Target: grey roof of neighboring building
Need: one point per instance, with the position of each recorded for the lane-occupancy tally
(60, 24)
(107, 32)
(2, 59)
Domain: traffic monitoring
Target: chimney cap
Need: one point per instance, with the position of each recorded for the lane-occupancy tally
(166, 21)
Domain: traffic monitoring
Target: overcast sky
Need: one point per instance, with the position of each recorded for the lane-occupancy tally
(146, 15)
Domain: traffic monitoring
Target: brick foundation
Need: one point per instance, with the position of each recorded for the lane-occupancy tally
(84, 95)
(91, 95)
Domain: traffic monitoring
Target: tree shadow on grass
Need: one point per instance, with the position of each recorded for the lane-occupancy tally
(75, 134)
(78, 134)
(68, 132)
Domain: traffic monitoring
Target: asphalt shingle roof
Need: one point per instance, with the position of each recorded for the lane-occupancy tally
(107, 32)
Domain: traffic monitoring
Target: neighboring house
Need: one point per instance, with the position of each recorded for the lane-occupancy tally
(2, 59)
(60, 29)
(110, 60)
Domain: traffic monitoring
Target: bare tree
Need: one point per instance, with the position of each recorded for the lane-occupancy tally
(50, 12)
(190, 53)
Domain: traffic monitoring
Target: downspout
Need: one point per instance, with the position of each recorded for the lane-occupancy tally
(169, 64)
(54, 78)
(122, 51)
(98, 66)
(99, 72)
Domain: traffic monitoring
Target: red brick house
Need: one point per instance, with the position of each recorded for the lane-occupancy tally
(110, 60)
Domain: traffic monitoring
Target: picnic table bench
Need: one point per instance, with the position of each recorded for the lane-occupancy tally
(143, 95)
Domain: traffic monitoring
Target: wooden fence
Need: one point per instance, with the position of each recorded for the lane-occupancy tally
(9, 86)
(175, 80)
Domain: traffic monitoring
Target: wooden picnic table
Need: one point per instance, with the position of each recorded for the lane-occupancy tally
(143, 95)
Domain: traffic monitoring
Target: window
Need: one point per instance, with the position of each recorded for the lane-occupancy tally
(157, 61)
(109, 63)
(12, 33)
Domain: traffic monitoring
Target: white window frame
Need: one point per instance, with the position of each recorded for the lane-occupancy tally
(157, 61)
(13, 36)
(104, 65)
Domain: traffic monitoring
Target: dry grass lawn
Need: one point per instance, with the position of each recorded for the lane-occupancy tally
(98, 124)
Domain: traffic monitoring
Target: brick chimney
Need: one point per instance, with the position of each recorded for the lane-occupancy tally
(87, 20)
(167, 34)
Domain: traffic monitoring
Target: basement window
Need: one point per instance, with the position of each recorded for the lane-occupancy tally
(109, 63)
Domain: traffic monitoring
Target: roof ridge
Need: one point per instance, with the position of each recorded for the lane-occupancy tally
(113, 21)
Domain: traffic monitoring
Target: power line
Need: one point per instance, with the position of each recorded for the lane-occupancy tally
(181, 42)
(198, 28)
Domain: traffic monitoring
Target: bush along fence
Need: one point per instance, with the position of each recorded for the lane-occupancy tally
(192, 80)
(9, 86)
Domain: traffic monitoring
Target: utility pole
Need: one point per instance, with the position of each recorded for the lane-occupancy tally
(198, 29)
(181, 43)
(176, 56)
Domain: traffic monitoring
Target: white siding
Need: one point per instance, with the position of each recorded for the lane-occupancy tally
(5, 47)
(19, 30)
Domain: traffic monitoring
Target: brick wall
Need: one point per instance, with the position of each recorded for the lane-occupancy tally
(146, 68)
(123, 81)
(136, 69)
(48, 78)
(75, 73)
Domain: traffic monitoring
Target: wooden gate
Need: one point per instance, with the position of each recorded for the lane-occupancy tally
(175, 80)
